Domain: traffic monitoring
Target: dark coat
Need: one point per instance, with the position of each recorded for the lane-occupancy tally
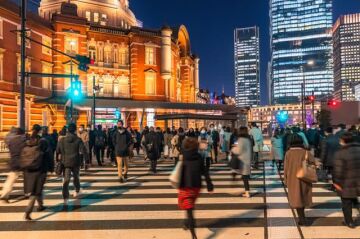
(193, 169)
(15, 144)
(71, 147)
(215, 137)
(91, 138)
(300, 192)
(313, 137)
(34, 179)
(153, 139)
(329, 146)
(122, 142)
(347, 170)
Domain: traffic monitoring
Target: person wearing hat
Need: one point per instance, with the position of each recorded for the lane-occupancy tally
(35, 177)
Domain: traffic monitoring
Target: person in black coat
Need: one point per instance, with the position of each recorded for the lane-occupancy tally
(71, 147)
(36, 177)
(346, 175)
(329, 146)
(152, 145)
(122, 142)
(91, 142)
(190, 183)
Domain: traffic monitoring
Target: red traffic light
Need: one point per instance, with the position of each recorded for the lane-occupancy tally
(332, 103)
(312, 98)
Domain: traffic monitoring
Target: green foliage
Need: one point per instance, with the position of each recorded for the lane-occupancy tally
(323, 117)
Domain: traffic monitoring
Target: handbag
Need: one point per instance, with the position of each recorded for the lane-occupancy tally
(175, 176)
(59, 168)
(307, 172)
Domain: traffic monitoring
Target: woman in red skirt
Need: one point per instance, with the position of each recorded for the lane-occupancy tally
(193, 168)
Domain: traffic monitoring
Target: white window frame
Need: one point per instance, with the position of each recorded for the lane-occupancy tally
(46, 81)
(96, 17)
(67, 45)
(150, 55)
(149, 74)
(88, 16)
(27, 41)
(45, 50)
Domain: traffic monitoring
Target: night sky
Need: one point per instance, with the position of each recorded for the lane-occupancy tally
(211, 24)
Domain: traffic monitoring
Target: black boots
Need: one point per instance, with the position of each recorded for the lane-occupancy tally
(190, 223)
(301, 215)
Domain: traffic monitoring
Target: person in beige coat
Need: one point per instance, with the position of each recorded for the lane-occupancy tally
(84, 136)
(300, 192)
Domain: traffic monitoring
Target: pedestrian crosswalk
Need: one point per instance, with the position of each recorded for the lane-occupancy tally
(146, 207)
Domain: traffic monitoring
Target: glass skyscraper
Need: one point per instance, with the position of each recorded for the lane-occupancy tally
(346, 39)
(301, 45)
(247, 66)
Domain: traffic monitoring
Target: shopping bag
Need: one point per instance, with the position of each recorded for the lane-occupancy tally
(307, 172)
(175, 176)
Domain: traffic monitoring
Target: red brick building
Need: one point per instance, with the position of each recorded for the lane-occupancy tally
(130, 62)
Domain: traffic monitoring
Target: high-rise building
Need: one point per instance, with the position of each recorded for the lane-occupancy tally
(301, 45)
(346, 40)
(247, 66)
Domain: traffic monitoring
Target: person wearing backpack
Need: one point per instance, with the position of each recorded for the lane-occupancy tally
(15, 141)
(122, 141)
(153, 148)
(36, 163)
(100, 144)
(71, 147)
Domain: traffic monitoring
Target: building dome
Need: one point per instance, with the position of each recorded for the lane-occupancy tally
(114, 13)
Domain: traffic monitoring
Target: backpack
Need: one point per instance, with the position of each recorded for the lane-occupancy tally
(31, 157)
(100, 140)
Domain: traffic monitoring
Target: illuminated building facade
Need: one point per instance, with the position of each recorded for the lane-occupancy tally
(130, 63)
(346, 40)
(247, 66)
(301, 32)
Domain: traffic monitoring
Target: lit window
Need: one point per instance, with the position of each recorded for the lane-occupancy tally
(107, 54)
(88, 15)
(150, 83)
(47, 42)
(150, 56)
(71, 45)
(96, 17)
(67, 68)
(124, 56)
(103, 19)
(27, 41)
(27, 69)
(47, 81)
(2, 64)
(92, 53)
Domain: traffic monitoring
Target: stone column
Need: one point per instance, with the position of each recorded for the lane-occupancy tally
(166, 33)
(196, 77)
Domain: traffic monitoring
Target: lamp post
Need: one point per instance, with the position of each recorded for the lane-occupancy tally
(303, 92)
(23, 62)
(72, 43)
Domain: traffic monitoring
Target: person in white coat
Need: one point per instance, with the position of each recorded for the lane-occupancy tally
(244, 153)
(257, 136)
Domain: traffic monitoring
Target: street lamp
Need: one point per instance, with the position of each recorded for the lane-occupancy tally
(303, 91)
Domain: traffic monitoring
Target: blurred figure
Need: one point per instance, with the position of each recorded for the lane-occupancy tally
(340, 130)
(277, 149)
(15, 142)
(226, 141)
(143, 136)
(313, 137)
(100, 144)
(191, 133)
(347, 175)
(55, 137)
(122, 142)
(215, 136)
(205, 142)
(300, 192)
(71, 147)
(161, 136)
(243, 152)
(175, 147)
(84, 136)
(111, 146)
(138, 142)
(91, 142)
(190, 184)
(36, 151)
(329, 146)
(153, 144)
(257, 136)
(167, 142)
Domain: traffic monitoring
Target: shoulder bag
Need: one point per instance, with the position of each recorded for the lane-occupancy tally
(307, 172)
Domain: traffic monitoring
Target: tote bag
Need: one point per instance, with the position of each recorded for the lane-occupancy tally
(307, 172)
(175, 176)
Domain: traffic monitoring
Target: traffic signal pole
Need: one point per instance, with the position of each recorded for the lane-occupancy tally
(313, 106)
(23, 62)
(71, 100)
(94, 104)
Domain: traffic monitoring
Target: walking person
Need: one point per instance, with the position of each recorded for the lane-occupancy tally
(138, 142)
(100, 144)
(226, 141)
(300, 192)
(347, 176)
(243, 153)
(167, 142)
(190, 184)
(70, 148)
(122, 142)
(91, 142)
(35, 155)
(111, 146)
(257, 136)
(215, 143)
(277, 149)
(84, 136)
(15, 142)
(205, 142)
(153, 144)
(175, 149)
(329, 146)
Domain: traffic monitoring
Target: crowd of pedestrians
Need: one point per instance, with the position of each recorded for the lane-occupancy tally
(333, 151)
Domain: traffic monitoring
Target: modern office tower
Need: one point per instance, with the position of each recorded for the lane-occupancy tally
(301, 45)
(247, 66)
(346, 40)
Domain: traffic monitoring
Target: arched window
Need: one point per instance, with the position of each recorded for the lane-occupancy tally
(92, 52)
(116, 88)
(116, 54)
(101, 85)
(124, 56)
(150, 83)
(124, 87)
(107, 54)
(101, 52)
